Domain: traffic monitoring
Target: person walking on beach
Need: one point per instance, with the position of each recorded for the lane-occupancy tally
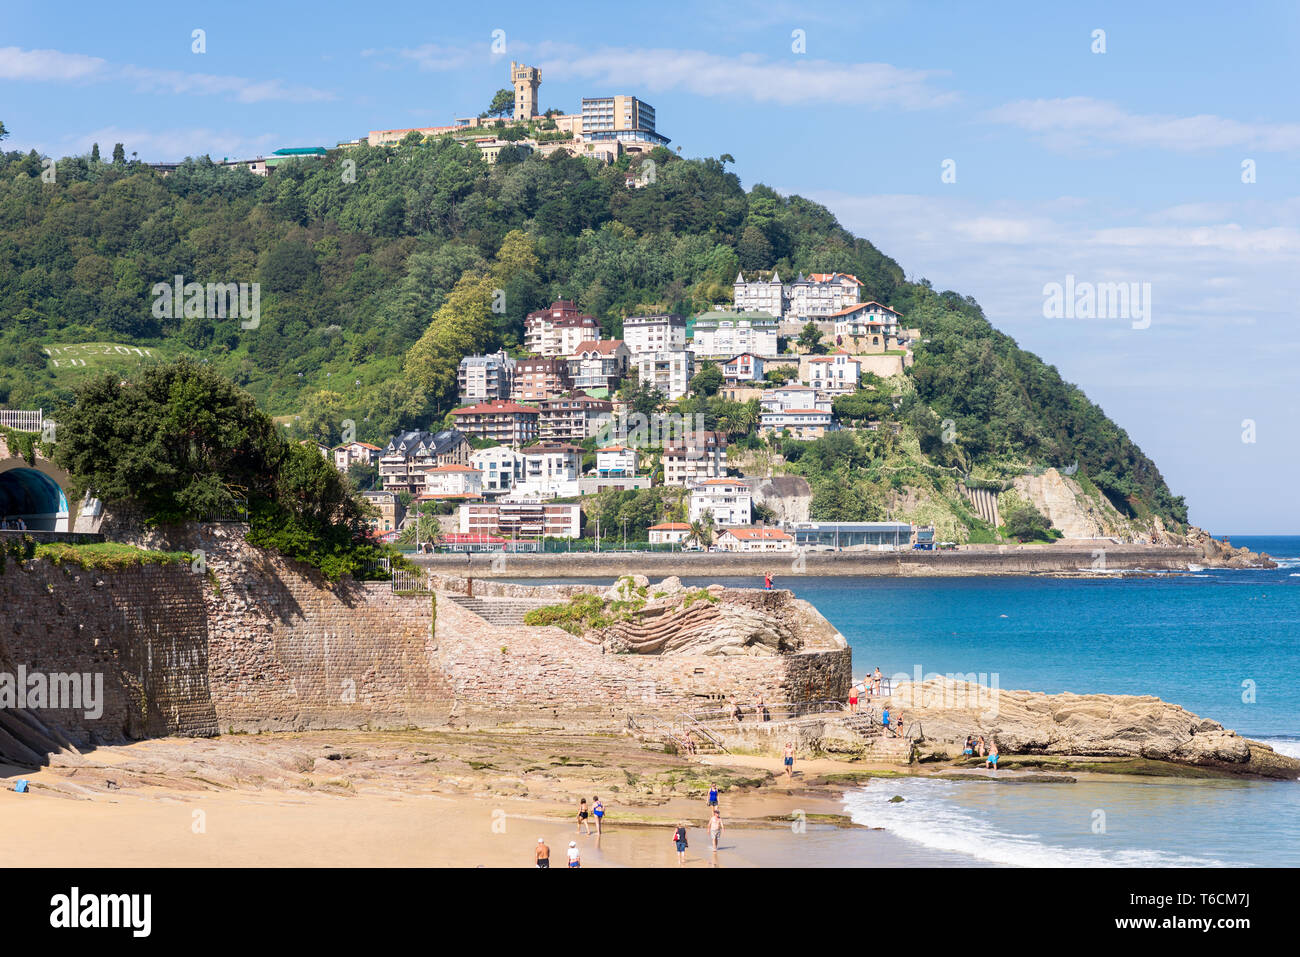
(789, 759)
(598, 811)
(992, 760)
(582, 816)
(876, 680)
(713, 795)
(715, 828)
(543, 854)
(853, 699)
(679, 842)
(575, 858)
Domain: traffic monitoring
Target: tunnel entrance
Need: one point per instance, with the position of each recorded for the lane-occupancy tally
(30, 498)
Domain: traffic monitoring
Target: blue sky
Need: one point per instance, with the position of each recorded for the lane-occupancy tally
(1117, 166)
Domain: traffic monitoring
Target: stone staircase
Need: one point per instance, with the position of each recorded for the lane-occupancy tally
(500, 611)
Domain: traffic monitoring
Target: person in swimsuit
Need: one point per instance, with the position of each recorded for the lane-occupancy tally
(875, 682)
(789, 759)
(980, 742)
(575, 859)
(582, 816)
(853, 699)
(715, 828)
(679, 841)
(543, 854)
(970, 746)
(713, 795)
(992, 760)
(598, 810)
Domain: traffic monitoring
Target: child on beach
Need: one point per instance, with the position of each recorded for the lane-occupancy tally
(715, 828)
(575, 858)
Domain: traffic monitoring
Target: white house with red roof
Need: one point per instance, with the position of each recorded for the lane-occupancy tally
(347, 455)
(731, 501)
(669, 533)
(501, 420)
(754, 540)
(453, 482)
(745, 367)
(865, 320)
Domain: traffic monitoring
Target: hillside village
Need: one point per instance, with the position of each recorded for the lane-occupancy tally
(574, 414)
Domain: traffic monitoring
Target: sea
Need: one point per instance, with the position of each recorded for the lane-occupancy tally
(1223, 643)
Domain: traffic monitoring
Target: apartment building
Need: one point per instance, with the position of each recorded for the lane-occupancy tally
(720, 334)
(669, 372)
(729, 500)
(485, 377)
(615, 460)
(537, 379)
(409, 455)
(390, 514)
(664, 333)
(834, 375)
(703, 456)
(805, 424)
(550, 471)
(514, 520)
(599, 364)
(502, 468)
(559, 329)
(622, 119)
(453, 481)
(500, 421)
(816, 296)
(572, 417)
(867, 320)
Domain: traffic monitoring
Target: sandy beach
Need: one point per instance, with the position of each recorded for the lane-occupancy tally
(421, 799)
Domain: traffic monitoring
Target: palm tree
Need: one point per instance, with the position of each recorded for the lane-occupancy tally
(702, 530)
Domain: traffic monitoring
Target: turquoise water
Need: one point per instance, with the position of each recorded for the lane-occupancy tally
(1223, 644)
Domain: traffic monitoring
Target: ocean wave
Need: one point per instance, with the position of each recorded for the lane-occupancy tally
(1283, 744)
(928, 815)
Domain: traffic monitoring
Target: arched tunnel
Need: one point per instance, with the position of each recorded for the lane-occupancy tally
(35, 498)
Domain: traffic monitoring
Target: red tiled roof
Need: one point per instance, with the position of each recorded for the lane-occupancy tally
(603, 346)
(753, 534)
(498, 406)
(453, 468)
(670, 527)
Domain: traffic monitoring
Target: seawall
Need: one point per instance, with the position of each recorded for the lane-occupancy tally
(1099, 559)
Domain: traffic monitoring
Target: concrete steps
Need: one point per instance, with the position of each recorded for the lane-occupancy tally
(500, 611)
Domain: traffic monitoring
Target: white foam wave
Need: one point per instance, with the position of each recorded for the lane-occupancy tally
(929, 815)
(1285, 745)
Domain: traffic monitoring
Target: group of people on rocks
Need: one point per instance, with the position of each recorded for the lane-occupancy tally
(989, 752)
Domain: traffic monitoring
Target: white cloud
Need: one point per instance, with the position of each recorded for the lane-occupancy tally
(1072, 122)
(47, 65)
(429, 57)
(794, 79)
(57, 66)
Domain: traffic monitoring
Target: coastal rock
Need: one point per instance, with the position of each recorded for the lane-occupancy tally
(1032, 722)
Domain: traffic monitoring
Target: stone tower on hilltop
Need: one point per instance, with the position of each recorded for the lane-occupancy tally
(526, 80)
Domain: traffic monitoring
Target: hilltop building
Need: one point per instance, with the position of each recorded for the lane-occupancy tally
(816, 296)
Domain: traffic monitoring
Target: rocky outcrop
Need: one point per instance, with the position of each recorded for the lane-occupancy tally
(1072, 512)
(667, 619)
(1031, 722)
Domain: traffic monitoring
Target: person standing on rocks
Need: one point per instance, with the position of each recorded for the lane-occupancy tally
(992, 760)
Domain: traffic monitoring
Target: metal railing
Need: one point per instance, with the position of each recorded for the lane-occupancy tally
(771, 713)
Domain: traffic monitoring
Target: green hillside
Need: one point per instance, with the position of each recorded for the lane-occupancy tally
(378, 269)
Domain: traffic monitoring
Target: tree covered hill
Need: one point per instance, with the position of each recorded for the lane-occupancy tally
(378, 270)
